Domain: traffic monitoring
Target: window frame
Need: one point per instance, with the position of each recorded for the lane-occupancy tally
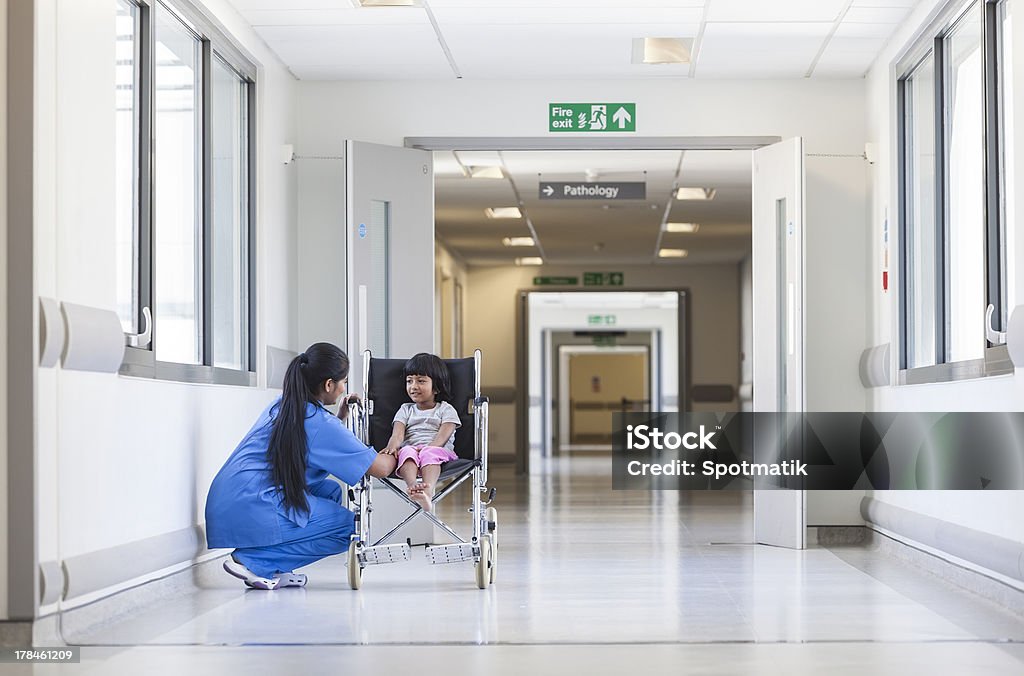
(214, 43)
(933, 42)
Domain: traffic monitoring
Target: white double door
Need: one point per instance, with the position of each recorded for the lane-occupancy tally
(780, 516)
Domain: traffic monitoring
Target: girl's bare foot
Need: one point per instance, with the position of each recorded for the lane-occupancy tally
(418, 495)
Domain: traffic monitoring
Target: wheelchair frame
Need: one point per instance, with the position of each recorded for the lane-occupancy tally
(481, 548)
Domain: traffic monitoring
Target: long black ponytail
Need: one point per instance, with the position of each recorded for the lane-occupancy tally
(287, 449)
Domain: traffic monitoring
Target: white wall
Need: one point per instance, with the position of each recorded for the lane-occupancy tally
(123, 459)
(998, 512)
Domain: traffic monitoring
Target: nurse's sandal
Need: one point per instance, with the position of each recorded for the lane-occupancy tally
(250, 578)
(290, 580)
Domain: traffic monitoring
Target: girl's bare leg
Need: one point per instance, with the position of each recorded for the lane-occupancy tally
(430, 474)
(408, 471)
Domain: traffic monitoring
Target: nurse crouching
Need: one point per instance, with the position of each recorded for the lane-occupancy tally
(272, 501)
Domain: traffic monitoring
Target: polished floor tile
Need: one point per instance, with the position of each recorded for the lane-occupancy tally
(586, 576)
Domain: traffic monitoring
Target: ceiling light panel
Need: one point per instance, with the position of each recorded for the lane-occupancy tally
(518, 241)
(485, 172)
(503, 212)
(695, 193)
(673, 253)
(682, 227)
(790, 10)
(530, 260)
(662, 51)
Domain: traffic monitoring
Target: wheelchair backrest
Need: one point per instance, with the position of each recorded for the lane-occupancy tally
(386, 389)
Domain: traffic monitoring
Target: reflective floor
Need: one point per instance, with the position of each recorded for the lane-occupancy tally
(588, 579)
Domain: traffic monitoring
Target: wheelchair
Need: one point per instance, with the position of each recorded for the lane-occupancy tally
(371, 422)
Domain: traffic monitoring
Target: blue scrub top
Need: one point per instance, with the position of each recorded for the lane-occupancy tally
(244, 508)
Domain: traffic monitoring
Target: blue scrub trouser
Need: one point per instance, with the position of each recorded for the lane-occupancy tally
(328, 531)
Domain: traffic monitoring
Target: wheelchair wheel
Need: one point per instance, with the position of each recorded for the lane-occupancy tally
(355, 571)
(491, 516)
(494, 557)
(483, 566)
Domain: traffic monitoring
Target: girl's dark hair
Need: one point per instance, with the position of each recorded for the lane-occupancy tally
(287, 449)
(430, 365)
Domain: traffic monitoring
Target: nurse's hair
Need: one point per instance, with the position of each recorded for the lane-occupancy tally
(287, 450)
(430, 365)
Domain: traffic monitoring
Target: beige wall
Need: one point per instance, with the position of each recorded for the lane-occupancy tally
(449, 271)
(491, 324)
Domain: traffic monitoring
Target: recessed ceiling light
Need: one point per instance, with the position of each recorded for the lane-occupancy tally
(530, 260)
(518, 241)
(682, 227)
(672, 253)
(386, 3)
(662, 50)
(503, 212)
(485, 172)
(695, 193)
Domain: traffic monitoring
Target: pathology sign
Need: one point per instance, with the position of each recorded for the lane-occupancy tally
(631, 190)
(592, 117)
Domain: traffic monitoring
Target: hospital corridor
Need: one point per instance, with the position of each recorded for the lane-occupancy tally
(511, 337)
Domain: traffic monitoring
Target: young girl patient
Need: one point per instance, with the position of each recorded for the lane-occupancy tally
(423, 433)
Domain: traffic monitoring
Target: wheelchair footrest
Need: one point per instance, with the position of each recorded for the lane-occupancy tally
(384, 554)
(450, 553)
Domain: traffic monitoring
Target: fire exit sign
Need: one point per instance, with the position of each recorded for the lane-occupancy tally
(592, 117)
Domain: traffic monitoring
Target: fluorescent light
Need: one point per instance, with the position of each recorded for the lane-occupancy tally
(662, 50)
(530, 260)
(485, 172)
(518, 241)
(682, 227)
(503, 212)
(695, 193)
(672, 253)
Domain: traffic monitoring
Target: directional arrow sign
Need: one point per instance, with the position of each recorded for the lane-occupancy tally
(621, 117)
(635, 190)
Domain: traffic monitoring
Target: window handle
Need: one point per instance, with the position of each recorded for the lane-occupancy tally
(141, 339)
(993, 336)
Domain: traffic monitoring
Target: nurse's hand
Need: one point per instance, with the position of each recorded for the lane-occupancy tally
(345, 401)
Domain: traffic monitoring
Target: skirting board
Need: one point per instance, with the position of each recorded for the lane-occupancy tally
(107, 568)
(991, 552)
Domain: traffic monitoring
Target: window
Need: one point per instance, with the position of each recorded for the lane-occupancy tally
(185, 194)
(127, 76)
(952, 103)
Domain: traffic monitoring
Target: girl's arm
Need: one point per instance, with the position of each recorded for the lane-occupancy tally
(444, 433)
(397, 437)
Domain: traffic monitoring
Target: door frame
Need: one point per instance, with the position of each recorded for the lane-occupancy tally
(595, 142)
(523, 356)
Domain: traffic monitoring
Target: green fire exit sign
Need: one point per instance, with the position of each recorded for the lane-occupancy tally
(592, 117)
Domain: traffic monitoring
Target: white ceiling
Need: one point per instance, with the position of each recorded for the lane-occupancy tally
(495, 39)
(597, 231)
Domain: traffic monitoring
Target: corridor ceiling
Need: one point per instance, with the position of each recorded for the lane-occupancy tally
(550, 39)
(595, 231)
(337, 40)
